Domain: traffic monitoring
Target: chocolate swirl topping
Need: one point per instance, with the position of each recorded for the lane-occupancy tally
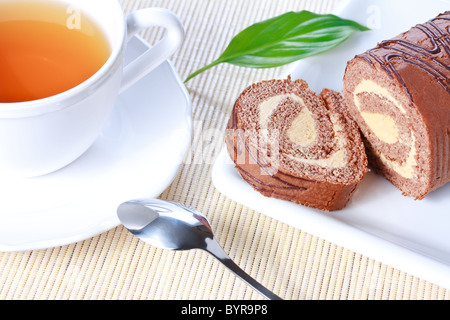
(431, 60)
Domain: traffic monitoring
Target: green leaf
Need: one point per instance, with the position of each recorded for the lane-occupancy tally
(284, 39)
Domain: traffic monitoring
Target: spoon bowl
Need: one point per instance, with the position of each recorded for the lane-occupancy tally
(174, 226)
(163, 227)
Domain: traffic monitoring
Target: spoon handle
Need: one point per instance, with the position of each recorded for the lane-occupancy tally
(216, 250)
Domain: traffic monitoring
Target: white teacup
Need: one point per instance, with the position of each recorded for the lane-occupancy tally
(41, 136)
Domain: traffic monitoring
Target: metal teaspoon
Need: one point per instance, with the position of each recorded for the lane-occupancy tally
(174, 226)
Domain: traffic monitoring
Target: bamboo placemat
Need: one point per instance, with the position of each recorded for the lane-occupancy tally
(291, 262)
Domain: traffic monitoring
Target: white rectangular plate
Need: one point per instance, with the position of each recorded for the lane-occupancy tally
(407, 234)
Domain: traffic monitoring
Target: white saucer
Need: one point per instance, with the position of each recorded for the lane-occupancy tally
(137, 155)
(378, 222)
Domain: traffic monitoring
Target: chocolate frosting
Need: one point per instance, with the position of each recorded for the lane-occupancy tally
(426, 46)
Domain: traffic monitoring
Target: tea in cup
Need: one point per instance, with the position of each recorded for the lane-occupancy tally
(45, 50)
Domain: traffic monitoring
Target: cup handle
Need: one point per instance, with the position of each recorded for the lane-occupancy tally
(153, 57)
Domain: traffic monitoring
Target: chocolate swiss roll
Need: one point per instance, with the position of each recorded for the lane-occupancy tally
(289, 143)
(399, 95)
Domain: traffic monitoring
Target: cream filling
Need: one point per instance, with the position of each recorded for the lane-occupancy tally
(372, 87)
(267, 107)
(407, 169)
(337, 159)
(384, 127)
(303, 131)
